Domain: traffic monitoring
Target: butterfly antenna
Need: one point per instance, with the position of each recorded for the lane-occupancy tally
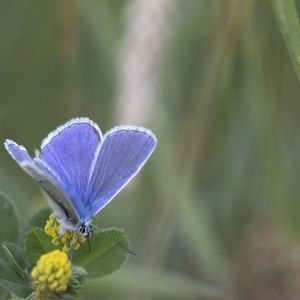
(115, 240)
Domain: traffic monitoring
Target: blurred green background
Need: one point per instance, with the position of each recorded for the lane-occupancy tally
(215, 214)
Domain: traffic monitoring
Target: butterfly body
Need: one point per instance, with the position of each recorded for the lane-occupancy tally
(81, 171)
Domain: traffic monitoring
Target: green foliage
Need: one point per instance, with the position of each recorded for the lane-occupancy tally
(18, 288)
(36, 220)
(288, 21)
(37, 243)
(15, 259)
(105, 255)
(9, 222)
(10, 270)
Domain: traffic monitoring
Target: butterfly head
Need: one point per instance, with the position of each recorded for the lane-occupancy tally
(86, 229)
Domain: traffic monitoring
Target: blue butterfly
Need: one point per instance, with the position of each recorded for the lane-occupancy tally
(81, 171)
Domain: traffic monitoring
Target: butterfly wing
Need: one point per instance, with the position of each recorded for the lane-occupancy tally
(45, 178)
(17, 152)
(123, 152)
(80, 171)
(69, 151)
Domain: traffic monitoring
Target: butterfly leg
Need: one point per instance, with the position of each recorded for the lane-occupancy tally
(73, 240)
(62, 231)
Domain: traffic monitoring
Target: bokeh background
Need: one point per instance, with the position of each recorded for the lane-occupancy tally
(215, 214)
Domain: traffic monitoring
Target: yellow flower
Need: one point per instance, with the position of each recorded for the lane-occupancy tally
(68, 239)
(51, 273)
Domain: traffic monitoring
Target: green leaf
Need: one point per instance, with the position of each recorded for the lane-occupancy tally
(79, 274)
(64, 296)
(32, 296)
(7, 272)
(13, 274)
(37, 220)
(19, 289)
(14, 259)
(12, 281)
(15, 297)
(17, 254)
(287, 18)
(9, 223)
(106, 256)
(37, 243)
(12, 266)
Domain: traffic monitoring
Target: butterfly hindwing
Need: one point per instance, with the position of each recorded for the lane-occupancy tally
(45, 178)
(57, 199)
(124, 150)
(17, 152)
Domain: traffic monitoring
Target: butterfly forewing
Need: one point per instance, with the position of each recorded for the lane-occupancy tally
(69, 151)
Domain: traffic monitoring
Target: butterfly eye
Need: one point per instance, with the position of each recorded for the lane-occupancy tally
(86, 230)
